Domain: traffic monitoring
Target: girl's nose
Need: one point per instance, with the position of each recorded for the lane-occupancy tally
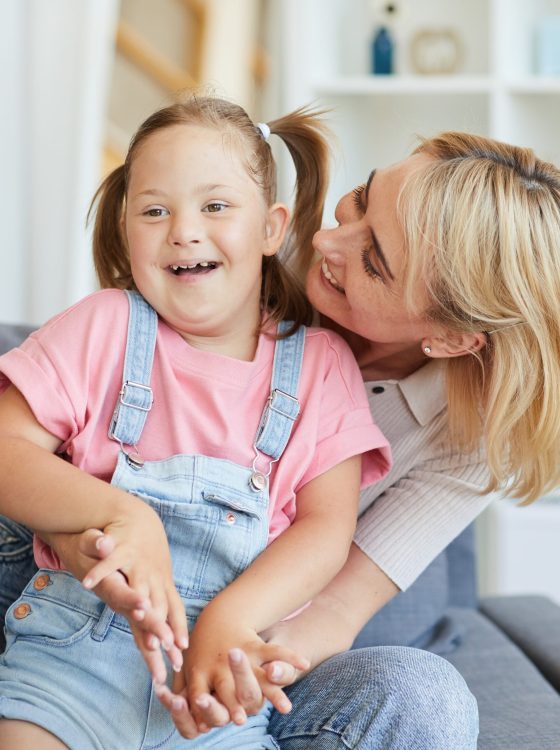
(185, 231)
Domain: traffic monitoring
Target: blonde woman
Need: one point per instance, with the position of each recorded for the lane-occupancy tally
(443, 275)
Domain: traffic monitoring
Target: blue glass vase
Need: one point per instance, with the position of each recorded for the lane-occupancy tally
(382, 52)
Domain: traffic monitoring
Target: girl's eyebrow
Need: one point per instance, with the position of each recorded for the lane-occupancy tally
(206, 188)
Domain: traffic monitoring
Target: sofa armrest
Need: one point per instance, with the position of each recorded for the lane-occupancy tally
(533, 624)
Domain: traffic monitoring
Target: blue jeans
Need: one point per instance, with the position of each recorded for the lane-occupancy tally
(379, 698)
(17, 565)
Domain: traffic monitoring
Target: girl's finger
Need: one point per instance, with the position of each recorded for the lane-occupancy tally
(178, 707)
(152, 655)
(100, 571)
(247, 688)
(115, 591)
(88, 543)
(213, 713)
(177, 619)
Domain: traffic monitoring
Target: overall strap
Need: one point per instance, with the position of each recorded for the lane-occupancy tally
(135, 397)
(283, 407)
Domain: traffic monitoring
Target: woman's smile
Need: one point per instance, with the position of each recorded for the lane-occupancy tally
(331, 278)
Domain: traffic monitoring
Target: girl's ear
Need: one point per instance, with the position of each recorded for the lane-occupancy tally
(453, 344)
(277, 220)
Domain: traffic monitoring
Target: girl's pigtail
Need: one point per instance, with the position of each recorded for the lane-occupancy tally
(305, 136)
(110, 254)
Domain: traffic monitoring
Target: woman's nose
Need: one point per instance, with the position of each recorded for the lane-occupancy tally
(332, 243)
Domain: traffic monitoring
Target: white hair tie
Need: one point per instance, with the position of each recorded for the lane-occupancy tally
(265, 130)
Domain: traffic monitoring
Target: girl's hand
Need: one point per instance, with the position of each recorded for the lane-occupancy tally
(208, 669)
(79, 553)
(141, 553)
(251, 687)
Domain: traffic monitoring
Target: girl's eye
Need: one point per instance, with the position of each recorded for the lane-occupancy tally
(155, 212)
(369, 268)
(357, 195)
(213, 208)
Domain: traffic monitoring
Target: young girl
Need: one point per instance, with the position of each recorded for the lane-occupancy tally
(194, 419)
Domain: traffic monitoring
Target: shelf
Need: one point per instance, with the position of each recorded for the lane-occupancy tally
(398, 85)
(534, 85)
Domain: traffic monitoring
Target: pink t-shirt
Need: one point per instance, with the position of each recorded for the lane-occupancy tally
(70, 373)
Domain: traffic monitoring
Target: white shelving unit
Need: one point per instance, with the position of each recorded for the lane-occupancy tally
(495, 91)
(518, 548)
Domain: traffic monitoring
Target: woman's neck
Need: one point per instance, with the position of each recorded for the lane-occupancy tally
(380, 361)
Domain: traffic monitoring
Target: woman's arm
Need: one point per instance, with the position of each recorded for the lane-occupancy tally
(326, 627)
(337, 614)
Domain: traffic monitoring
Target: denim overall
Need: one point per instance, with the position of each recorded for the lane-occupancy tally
(71, 664)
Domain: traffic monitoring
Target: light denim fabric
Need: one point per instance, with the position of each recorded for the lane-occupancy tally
(380, 698)
(70, 663)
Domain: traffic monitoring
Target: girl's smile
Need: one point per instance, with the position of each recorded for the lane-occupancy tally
(197, 227)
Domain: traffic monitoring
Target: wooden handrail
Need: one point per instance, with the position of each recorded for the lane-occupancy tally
(198, 11)
(139, 51)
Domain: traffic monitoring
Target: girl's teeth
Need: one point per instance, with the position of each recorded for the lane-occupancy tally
(190, 266)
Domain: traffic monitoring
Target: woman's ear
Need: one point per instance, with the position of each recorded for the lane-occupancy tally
(453, 344)
(277, 220)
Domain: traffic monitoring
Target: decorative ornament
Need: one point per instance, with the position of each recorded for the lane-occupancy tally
(436, 51)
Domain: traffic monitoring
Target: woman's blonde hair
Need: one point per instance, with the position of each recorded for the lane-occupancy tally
(482, 226)
(304, 134)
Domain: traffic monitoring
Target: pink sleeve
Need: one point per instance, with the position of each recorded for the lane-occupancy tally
(346, 427)
(45, 556)
(60, 367)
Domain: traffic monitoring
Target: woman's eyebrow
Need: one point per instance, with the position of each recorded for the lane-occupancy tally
(376, 246)
(368, 183)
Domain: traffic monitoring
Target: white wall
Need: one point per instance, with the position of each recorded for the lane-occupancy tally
(56, 59)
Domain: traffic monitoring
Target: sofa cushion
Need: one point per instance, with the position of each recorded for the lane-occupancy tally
(417, 616)
(518, 708)
(12, 335)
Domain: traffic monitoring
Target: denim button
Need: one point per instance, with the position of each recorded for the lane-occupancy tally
(21, 611)
(42, 582)
(257, 481)
(230, 517)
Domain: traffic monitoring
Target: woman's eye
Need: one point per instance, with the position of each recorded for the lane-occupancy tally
(369, 268)
(357, 195)
(155, 212)
(213, 208)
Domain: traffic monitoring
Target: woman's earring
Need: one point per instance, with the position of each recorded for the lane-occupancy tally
(427, 349)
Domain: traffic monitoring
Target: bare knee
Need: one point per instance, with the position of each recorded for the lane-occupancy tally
(15, 735)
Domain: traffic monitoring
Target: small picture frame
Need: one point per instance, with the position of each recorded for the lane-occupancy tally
(436, 51)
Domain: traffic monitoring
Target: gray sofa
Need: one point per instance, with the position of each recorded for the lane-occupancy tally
(507, 648)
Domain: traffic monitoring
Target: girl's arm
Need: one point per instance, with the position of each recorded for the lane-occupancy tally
(48, 494)
(285, 576)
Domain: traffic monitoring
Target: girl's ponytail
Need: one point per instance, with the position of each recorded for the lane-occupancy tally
(305, 136)
(110, 254)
